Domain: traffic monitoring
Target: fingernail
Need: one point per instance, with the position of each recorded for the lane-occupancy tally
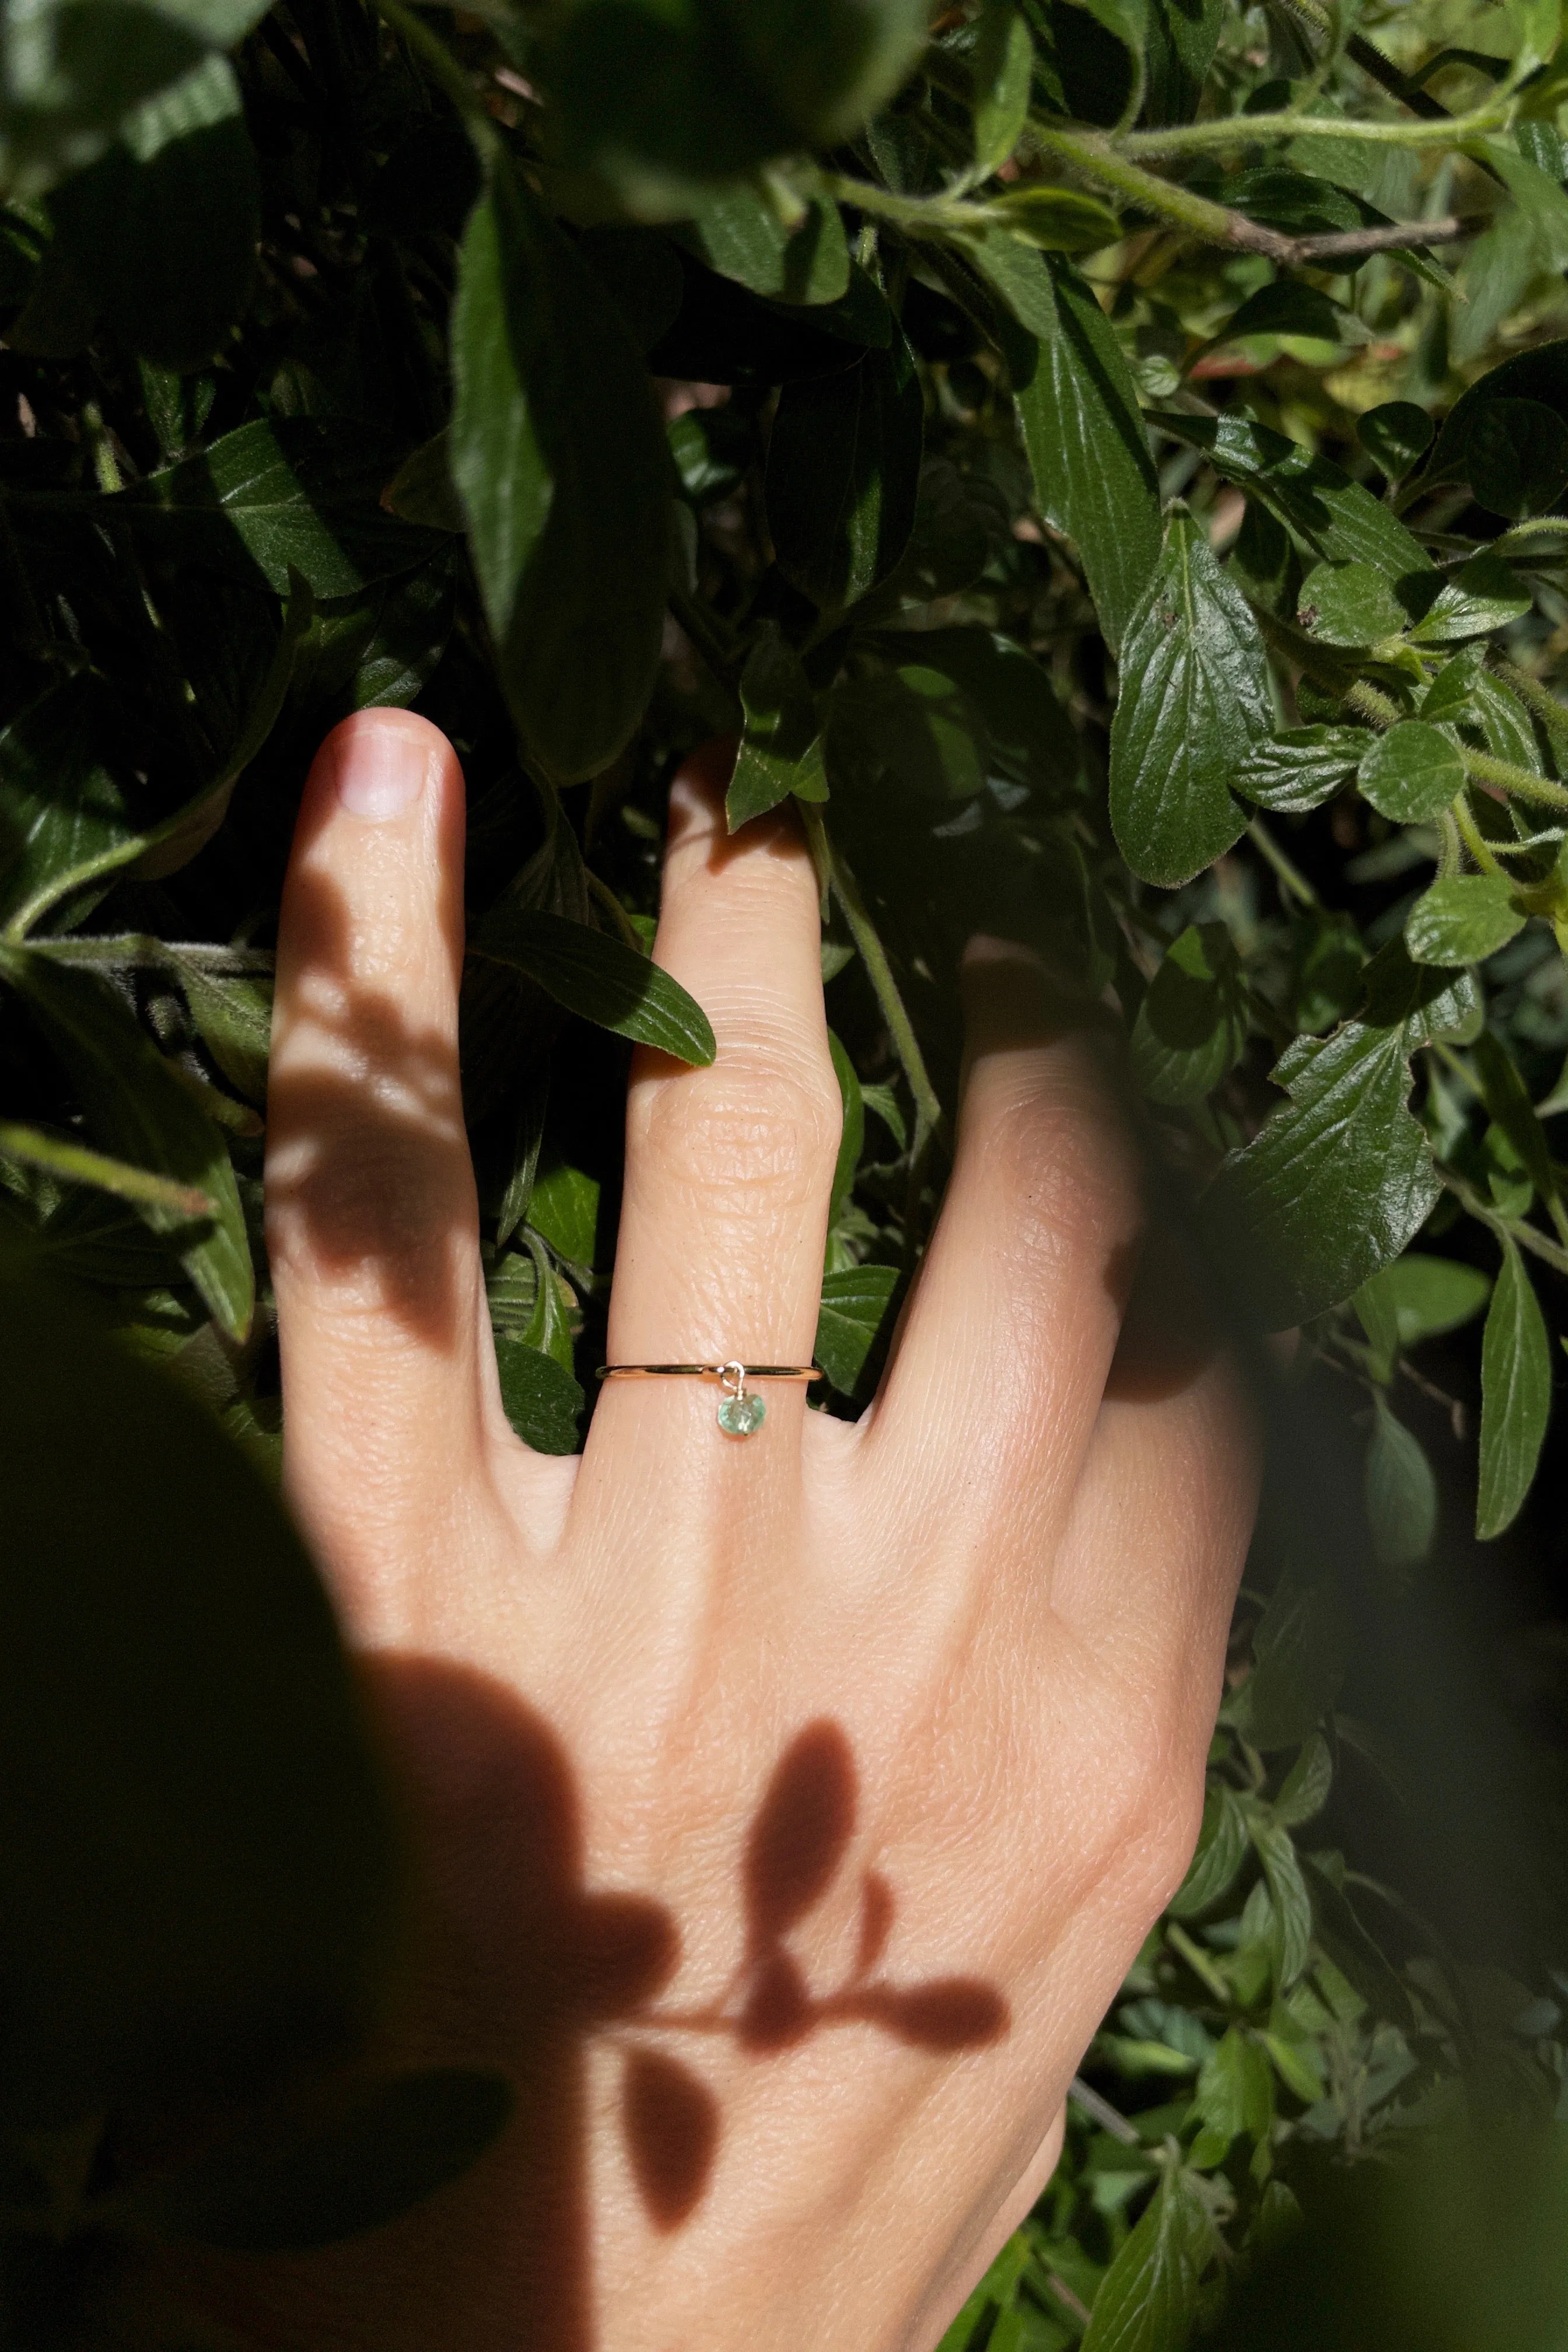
(381, 771)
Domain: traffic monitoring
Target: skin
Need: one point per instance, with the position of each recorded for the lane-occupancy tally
(786, 1812)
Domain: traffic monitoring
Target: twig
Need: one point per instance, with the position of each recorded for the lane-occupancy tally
(1101, 2112)
(879, 972)
(1198, 1960)
(1289, 875)
(1527, 1236)
(1251, 130)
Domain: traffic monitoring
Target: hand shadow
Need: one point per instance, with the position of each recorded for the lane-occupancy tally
(517, 1964)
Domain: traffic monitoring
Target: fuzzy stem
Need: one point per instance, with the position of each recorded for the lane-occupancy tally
(1251, 130)
(1290, 877)
(879, 972)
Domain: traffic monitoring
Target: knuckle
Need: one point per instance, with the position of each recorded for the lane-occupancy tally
(1056, 1168)
(760, 1122)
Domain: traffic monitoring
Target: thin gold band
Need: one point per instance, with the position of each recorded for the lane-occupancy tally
(708, 1372)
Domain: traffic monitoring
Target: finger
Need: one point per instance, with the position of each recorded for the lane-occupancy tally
(728, 1169)
(372, 1225)
(1011, 1326)
(1164, 1507)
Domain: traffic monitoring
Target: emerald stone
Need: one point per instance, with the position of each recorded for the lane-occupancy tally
(740, 1415)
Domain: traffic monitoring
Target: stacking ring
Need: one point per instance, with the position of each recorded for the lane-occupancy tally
(741, 1414)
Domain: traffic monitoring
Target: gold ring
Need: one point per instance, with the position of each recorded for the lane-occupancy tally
(741, 1414)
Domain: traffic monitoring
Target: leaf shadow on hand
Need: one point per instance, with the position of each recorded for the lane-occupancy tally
(368, 1157)
(515, 1964)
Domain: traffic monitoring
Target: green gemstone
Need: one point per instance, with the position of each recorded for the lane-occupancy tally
(740, 1415)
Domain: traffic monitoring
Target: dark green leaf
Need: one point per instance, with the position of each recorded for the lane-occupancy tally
(1083, 432)
(1192, 1025)
(1395, 435)
(233, 1015)
(600, 978)
(1463, 919)
(1300, 767)
(658, 99)
(1401, 1492)
(1180, 41)
(1235, 2090)
(1350, 605)
(641, 270)
(421, 490)
(1347, 1943)
(854, 1304)
(1482, 596)
(1001, 65)
(1429, 1295)
(541, 1399)
(1533, 375)
(781, 747)
(1304, 1791)
(1148, 2298)
(1412, 773)
(139, 1111)
(1028, 738)
(329, 2173)
(1298, 1651)
(1286, 307)
(560, 462)
(1293, 1904)
(564, 1205)
(843, 473)
(1516, 456)
(1516, 1395)
(197, 1859)
(914, 727)
(293, 494)
(59, 807)
(1340, 521)
(739, 234)
(1507, 1099)
(1338, 1180)
(1193, 700)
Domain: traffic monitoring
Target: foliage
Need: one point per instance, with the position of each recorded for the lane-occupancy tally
(1110, 473)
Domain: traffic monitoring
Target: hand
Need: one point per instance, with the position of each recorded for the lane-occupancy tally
(787, 1809)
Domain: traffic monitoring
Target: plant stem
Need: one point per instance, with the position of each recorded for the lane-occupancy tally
(1536, 698)
(1198, 1960)
(874, 956)
(1290, 879)
(1250, 129)
(1101, 2111)
(1503, 777)
(709, 636)
(1474, 840)
(1528, 1238)
(77, 1165)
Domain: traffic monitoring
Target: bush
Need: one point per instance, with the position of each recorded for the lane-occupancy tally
(1107, 463)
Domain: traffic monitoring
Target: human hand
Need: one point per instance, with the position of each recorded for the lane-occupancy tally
(789, 1810)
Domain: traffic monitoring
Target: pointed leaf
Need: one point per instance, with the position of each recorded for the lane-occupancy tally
(1463, 919)
(843, 474)
(1299, 768)
(1339, 520)
(854, 1304)
(1149, 2299)
(1193, 702)
(1516, 1395)
(600, 978)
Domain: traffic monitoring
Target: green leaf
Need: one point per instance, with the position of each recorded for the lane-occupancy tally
(1338, 520)
(660, 98)
(1412, 773)
(421, 490)
(160, 234)
(1482, 596)
(1288, 306)
(1298, 768)
(1508, 1098)
(1516, 1395)
(1401, 1491)
(852, 1136)
(162, 849)
(1292, 1904)
(196, 1856)
(1516, 457)
(1350, 605)
(564, 1205)
(541, 1399)
(1083, 432)
(349, 2164)
(854, 1304)
(1055, 220)
(281, 496)
(1002, 65)
(1193, 699)
(1536, 374)
(843, 473)
(914, 727)
(1431, 1296)
(1463, 919)
(1148, 2298)
(1026, 736)
(600, 978)
(1298, 1651)
(71, 71)
(781, 747)
(560, 462)
(234, 1017)
(60, 808)
(138, 1109)
(1235, 2090)
(1339, 1179)
(1221, 1849)
(1305, 1788)
(1395, 435)
(1295, 2055)
(739, 234)
(1192, 1025)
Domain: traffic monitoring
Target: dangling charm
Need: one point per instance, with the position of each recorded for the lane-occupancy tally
(741, 1414)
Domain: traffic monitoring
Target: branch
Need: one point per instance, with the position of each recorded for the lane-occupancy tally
(1250, 129)
(1395, 237)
